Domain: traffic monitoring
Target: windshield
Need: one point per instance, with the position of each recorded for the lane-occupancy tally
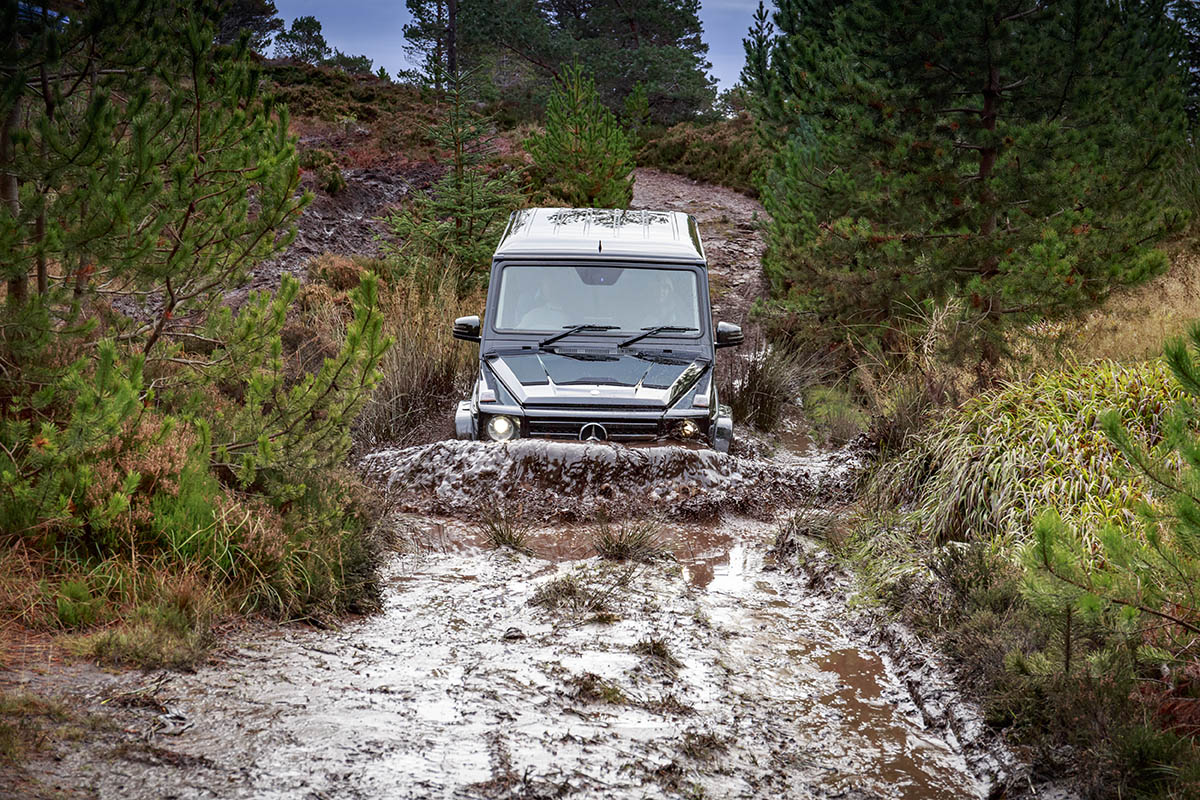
(550, 298)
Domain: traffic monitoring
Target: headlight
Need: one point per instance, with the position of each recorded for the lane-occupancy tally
(501, 428)
(685, 430)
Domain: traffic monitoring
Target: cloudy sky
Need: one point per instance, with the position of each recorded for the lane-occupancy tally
(375, 28)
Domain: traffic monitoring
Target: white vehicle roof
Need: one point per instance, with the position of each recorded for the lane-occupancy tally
(603, 234)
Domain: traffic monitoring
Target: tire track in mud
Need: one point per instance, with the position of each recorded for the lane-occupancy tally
(711, 672)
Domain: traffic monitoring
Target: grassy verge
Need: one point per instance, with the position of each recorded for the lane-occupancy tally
(161, 534)
(943, 538)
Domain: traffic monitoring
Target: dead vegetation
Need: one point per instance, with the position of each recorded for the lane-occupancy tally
(658, 655)
(583, 592)
(810, 522)
(1133, 325)
(758, 384)
(425, 370)
(702, 745)
(591, 688)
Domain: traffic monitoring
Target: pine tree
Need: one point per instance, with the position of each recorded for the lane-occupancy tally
(304, 41)
(66, 170)
(458, 224)
(656, 42)
(584, 157)
(142, 167)
(1004, 157)
(352, 65)
(143, 188)
(428, 38)
(1187, 12)
(637, 115)
(257, 18)
(227, 148)
(757, 47)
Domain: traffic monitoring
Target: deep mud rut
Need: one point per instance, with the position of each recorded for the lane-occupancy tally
(716, 670)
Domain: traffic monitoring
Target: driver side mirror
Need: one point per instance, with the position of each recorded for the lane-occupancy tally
(467, 329)
(729, 335)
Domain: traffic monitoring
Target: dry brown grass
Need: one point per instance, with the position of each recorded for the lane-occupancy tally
(1134, 324)
(426, 370)
(24, 718)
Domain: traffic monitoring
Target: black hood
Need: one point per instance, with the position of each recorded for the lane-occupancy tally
(597, 378)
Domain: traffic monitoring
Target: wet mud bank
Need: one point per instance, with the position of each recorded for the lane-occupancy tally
(573, 481)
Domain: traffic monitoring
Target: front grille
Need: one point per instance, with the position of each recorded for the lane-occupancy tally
(619, 430)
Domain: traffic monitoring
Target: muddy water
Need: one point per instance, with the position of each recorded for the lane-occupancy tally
(710, 672)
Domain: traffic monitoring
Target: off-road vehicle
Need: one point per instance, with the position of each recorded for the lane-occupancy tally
(597, 328)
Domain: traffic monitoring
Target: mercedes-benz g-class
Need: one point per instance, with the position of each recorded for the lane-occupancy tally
(597, 328)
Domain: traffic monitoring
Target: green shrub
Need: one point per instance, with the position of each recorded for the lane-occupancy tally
(1137, 574)
(583, 158)
(226, 481)
(324, 166)
(177, 463)
(1075, 631)
(76, 606)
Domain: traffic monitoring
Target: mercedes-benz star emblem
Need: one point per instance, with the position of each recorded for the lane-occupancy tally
(593, 432)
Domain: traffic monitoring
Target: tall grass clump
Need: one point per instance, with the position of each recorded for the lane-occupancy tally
(428, 369)
(758, 385)
(834, 414)
(629, 540)
(1137, 581)
(988, 469)
(505, 527)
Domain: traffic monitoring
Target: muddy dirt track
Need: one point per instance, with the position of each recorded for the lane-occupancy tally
(720, 669)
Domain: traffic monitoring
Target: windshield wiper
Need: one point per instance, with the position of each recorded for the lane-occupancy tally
(653, 330)
(575, 329)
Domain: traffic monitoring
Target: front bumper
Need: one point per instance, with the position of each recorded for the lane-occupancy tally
(627, 426)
